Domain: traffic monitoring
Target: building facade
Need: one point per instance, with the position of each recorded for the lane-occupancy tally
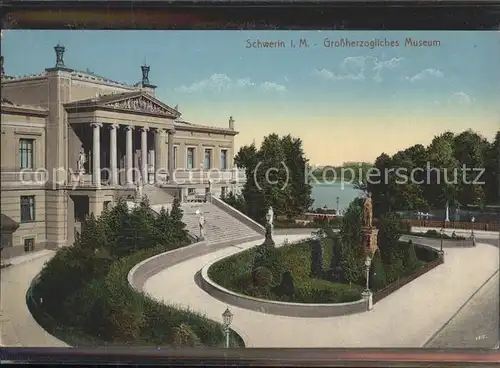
(73, 143)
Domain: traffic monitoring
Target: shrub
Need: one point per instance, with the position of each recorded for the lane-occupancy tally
(262, 277)
(286, 288)
(184, 336)
(352, 263)
(234, 269)
(296, 258)
(270, 258)
(390, 230)
(410, 256)
(321, 291)
(394, 270)
(316, 258)
(378, 278)
(351, 232)
(86, 291)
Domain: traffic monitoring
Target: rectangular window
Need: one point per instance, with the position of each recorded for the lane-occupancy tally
(27, 208)
(190, 158)
(223, 159)
(29, 244)
(175, 157)
(208, 159)
(191, 191)
(26, 153)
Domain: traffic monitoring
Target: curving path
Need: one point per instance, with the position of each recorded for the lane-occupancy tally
(407, 318)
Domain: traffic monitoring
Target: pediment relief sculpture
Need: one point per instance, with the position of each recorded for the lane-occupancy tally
(140, 104)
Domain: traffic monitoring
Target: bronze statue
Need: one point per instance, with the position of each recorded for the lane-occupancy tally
(368, 211)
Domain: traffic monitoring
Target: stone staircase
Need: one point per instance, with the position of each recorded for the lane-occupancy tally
(220, 227)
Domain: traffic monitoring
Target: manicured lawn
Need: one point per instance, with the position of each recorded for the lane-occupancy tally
(235, 273)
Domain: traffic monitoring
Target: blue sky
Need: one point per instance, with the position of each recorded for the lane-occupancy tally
(347, 103)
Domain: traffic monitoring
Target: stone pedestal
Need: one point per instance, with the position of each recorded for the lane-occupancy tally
(269, 236)
(370, 237)
(368, 295)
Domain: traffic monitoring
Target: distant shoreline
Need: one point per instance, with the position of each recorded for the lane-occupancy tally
(332, 182)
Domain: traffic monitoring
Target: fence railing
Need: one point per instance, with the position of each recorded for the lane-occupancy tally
(455, 225)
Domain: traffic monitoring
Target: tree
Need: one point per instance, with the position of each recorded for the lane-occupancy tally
(390, 231)
(246, 158)
(235, 200)
(276, 175)
(442, 187)
(163, 229)
(378, 279)
(352, 263)
(351, 232)
(179, 233)
(299, 200)
(492, 166)
(378, 186)
(471, 151)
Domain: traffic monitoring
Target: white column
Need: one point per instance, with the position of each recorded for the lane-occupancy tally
(113, 154)
(129, 154)
(144, 154)
(96, 153)
(170, 157)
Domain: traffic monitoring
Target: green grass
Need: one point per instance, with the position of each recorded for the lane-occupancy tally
(158, 320)
(235, 273)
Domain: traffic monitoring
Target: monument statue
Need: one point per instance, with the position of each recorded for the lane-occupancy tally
(139, 189)
(270, 217)
(367, 211)
(82, 159)
(201, 222)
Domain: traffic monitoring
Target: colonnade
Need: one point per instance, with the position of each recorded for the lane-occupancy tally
(160, 135)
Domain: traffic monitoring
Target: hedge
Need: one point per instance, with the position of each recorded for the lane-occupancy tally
(87, 300)
(237, 273)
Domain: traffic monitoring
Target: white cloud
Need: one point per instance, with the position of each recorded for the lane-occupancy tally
(271, 86)
(380, 66)
(221, 82)
(359, 68)
(424, 74)
(460, 98)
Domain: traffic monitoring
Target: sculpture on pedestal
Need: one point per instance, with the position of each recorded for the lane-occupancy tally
(82, 159)
(270, 217)
(201, 224)
(369, 231)
(139, 190)
(367, 211)
(269, 227)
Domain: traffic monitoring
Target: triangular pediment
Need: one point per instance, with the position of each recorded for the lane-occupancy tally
(142, 103)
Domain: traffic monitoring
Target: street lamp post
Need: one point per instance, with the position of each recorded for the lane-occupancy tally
(442, 235)
(367, 293)
(368, 262)
(227, 318)
(472, 220)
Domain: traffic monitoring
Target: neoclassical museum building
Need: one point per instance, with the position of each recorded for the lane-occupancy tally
(73, 143)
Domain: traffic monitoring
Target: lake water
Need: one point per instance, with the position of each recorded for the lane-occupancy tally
(327, 194)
